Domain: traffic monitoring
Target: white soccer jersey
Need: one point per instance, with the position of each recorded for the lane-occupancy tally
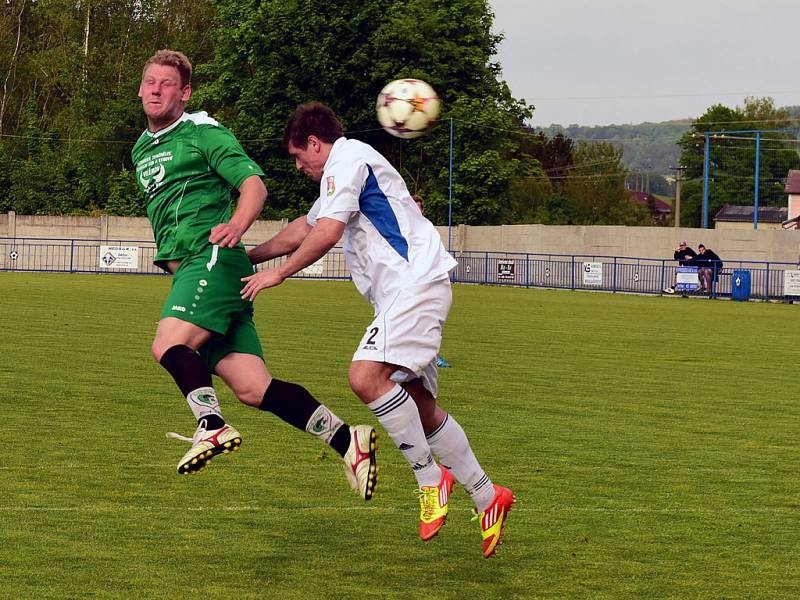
(388, 244)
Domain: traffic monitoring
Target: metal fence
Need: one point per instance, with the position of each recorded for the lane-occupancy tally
(767, 280)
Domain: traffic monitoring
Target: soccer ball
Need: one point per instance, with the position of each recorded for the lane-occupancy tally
(407, 107)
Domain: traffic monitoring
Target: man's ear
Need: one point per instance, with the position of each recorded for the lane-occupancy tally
(315, 143)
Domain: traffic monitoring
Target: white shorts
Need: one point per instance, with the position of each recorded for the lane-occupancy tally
(408, 332)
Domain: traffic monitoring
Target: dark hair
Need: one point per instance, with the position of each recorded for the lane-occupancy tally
(701, 246)
(312, 118)
(172, 58)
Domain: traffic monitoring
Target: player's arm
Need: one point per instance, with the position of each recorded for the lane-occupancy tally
(282, 243)
(252, 195)
(322, 237)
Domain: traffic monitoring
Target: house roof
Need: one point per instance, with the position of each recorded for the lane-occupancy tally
(644, 199)
(793, 182)
(744, 214)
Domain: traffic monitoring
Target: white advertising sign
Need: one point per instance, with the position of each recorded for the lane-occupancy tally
(592, 273)
(687, 279)
(119, 257)
(791, 283)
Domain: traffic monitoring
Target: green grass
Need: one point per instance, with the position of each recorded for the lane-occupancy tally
(652, 444)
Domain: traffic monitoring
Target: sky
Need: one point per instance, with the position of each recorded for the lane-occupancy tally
(594, 62)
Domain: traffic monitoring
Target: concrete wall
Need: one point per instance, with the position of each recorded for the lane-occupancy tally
(642, 242)
(104, 228)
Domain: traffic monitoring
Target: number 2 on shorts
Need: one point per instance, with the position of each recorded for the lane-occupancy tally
(371, 339)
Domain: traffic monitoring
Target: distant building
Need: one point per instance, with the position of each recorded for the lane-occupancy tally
(659, 209)
(793, 189)
(741, 217)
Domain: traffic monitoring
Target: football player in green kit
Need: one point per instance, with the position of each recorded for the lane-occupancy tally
(188, 166)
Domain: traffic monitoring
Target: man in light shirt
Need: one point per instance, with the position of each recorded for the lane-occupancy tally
(398, 263)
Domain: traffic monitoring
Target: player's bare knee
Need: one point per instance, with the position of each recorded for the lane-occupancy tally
(360, 384)
(356, 385)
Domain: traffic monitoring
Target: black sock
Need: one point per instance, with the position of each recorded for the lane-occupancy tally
(190, 373)
(291, 402)
(294, 404)
(210, 422)
(341, 440)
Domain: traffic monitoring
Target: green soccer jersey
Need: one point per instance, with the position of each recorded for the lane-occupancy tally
(187, 173)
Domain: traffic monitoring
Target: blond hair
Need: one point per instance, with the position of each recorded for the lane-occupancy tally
(172, 58)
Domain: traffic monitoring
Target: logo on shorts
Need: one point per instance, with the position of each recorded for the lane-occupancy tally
(370, 343)
(178, 308)
(331, 186)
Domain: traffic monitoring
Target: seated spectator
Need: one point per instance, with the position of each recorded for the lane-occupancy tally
(684, 255)
(709, 266)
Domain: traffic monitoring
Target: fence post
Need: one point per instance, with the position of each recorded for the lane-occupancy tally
(485, 268)
(450, 195)
(71, 254)
(766, 290)
(704, 223)
(527, 270)
(573, 273)
(755, 190)
(614, 277)
(713, 291)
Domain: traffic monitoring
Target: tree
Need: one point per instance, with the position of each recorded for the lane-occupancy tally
(69, 72)
(596, 187)
(271, 56)
(732, 157)
(536, 197)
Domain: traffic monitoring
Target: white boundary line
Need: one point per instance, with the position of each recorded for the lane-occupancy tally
(332, 508)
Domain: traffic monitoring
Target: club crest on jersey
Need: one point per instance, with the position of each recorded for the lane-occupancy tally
(152, 177)
(331, 186)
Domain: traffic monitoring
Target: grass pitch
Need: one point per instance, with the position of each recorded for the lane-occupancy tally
(652, 444)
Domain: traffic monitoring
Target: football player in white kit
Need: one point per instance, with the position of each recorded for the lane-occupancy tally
(398, 263)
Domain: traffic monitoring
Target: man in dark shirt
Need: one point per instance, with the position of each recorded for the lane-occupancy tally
(709, 265)
(684, 255)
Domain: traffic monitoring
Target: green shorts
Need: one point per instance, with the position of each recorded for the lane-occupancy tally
(206, 291)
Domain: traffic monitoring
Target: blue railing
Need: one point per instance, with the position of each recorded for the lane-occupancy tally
(617, 274)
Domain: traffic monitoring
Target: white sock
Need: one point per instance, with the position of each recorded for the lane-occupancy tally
(450, 444)
(203, 402)
(397, 413)
(323, 424)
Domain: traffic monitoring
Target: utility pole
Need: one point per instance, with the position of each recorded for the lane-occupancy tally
(678, 170)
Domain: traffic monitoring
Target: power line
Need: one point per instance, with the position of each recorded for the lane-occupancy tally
(786, 120)
(63, 139)
(573, 177)
(722, 138)
(653, 96)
